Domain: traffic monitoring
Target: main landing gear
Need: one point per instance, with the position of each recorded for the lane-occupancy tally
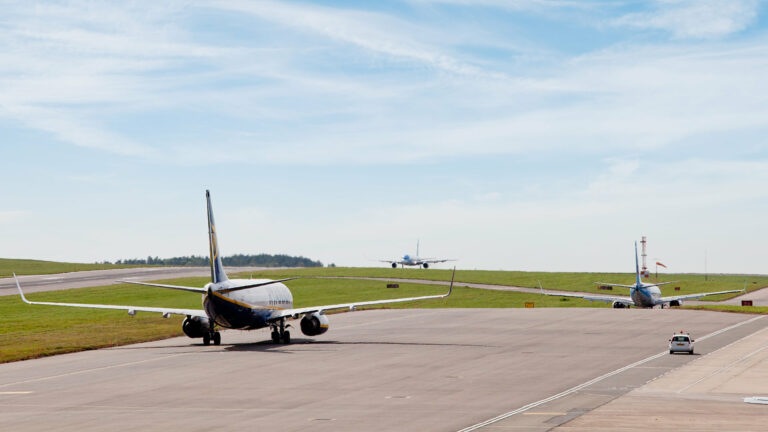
(211, 336)
(280, 334)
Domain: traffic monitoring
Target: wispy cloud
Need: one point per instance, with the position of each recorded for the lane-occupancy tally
(694, 19)
(371, 31)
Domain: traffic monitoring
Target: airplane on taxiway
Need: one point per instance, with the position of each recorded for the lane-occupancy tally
(415, 260)
(244, 304)
(641, 294)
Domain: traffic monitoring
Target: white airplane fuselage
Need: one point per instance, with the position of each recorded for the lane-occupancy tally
(646, 295)
(246, 309)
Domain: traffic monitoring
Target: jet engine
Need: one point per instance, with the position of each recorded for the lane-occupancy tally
(394, 265)
(426, 265)
(676, 303)
(314, 324)
(619, 305)
(195, 327)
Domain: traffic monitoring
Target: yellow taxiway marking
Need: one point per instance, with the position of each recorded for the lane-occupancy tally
(15, 392)
(545, 413)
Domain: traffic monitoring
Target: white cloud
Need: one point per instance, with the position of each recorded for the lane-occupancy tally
(695, 18)
(73, 76)
(367, 30)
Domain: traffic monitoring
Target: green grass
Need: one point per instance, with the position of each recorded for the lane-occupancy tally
(585, 282)
(28, 267)
(30, 331)
(732, 308)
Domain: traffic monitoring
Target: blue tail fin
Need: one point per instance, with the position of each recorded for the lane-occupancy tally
(637, 267)
(217, 269)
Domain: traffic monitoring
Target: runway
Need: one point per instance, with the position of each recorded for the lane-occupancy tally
(82, 279)
(383, 370)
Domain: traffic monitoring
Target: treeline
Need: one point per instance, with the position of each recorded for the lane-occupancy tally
(239, 260)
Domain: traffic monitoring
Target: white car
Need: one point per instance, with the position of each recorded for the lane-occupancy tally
(681, 342)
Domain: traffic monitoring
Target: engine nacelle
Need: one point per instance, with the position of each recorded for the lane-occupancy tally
(394, 265)
(676, 303)
(314, 324)
(195, 327)
(426, 265)
(619, 305)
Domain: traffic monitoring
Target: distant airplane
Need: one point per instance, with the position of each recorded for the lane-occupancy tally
(244, 304)
(415, 260)
(641, 294)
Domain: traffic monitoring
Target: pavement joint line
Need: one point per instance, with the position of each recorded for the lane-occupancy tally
(594, 380)
(46, 378)
(728, 366)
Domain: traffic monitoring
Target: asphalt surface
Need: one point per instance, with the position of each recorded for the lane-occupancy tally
(704, 395)
(383, 370)
(62, 281)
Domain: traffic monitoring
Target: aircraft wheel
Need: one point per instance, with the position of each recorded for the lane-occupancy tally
(275, 337)
(206, 339)
(286, 337)
(217, 338)
(670, 351)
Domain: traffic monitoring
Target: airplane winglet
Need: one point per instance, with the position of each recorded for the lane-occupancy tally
(541, 288)
(21, 293)
(450, 288)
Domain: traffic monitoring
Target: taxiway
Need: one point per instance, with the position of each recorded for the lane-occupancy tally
(384, 370)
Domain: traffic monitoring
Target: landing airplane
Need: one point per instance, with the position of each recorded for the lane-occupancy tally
(244, 304)
(415, 260)
(641, 294)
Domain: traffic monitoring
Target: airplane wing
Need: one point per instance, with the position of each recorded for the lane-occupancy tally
(295, 312)
(431, 261)
(131, 309)
(620, 285)
(176, 287)
(695, 296)
(592, 297)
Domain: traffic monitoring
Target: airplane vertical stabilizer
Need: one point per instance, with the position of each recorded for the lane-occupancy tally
(637, 268)
(217, 268)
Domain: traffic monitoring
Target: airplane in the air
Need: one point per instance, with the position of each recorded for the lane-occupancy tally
(641, 294)
(415, 260)
(244, 304)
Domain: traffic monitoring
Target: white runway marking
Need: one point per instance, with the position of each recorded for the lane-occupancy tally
(595, 380)
(91, 370)
(15, 392)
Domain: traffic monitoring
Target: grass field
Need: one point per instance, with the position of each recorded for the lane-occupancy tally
(585, 282)
(36, 267)
(28, 331)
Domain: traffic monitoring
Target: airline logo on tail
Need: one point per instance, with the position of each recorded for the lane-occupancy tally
(217, 268)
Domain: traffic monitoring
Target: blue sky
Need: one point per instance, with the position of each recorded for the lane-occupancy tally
(527, 135)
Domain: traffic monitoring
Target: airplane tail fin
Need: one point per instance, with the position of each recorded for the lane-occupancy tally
(637, 267)
(217, 268)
